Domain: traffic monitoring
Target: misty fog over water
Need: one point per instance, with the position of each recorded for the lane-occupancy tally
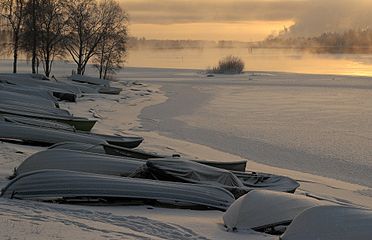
(281, 60)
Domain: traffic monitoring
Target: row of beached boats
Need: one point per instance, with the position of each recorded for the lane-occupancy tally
(88, 168)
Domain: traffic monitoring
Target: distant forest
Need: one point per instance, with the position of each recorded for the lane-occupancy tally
(351, 41)
(135, 42)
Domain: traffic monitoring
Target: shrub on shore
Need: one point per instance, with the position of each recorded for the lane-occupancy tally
(228, 65)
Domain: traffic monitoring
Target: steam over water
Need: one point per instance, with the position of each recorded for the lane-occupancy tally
(281, 60)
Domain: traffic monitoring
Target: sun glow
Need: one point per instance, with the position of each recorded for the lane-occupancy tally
(237, 31)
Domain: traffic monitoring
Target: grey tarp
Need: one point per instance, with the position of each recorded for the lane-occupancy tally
(54, 185)
(79, 161)
(331, 223)
(187, 171)
(237, 182)
(267, 181)
(263, 209)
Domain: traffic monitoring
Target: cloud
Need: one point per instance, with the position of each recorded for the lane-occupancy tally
(196, 11)
(311, 17)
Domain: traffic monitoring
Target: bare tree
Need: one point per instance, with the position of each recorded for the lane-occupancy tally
(13, 11)
(85, 27)
(112, 49)
(51, 32)
(30, 31)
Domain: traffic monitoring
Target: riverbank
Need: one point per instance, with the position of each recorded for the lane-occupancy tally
(175, 111)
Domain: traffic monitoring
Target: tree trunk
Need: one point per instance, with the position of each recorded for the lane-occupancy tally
(33, 61)
(15, 52)
(47, 67)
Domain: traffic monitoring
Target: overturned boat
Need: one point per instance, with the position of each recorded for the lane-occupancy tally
(118, 140)
(108, 149)
(80, 162)
(266, 211)
(331, 223)
(55, 114)
(73, 187)
(49, 136)
(60, 90)
(90, 80)
(113, 150)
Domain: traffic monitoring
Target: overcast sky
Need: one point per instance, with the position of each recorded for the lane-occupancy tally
(244, 20)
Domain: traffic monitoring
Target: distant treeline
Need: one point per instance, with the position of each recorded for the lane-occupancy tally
(351, 41)
(135, 42)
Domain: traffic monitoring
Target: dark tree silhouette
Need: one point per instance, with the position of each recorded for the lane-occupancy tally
(111, 51)
(13, 12)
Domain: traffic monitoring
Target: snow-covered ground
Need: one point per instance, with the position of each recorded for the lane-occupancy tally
(181, 106)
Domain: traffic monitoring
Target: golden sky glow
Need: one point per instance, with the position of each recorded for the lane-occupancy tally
(242, 20)
(238, 31)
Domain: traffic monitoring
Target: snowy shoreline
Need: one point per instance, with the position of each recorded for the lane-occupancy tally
(122, 114)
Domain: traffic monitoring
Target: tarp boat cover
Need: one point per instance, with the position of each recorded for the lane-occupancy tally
(57, 185)
(181, 170)
(257, 180)
(238, 183)
(331, 223)
(263, 210)
(72, 160)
